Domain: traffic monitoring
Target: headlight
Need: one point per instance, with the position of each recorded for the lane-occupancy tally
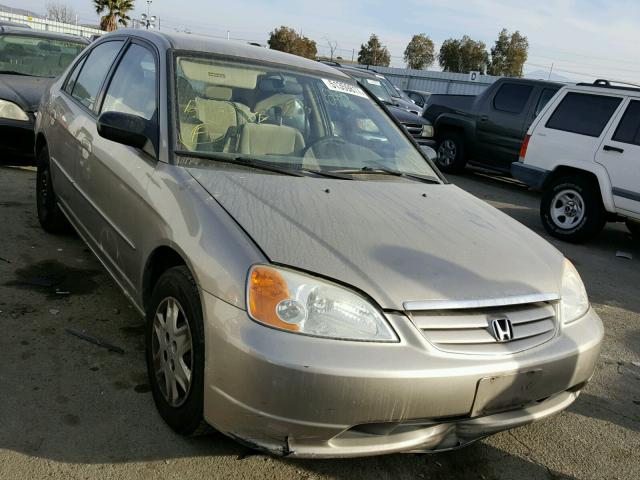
(573, 297)
(427, 131)
(11, 111)
(300, 303)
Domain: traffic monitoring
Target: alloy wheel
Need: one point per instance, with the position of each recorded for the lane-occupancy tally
(172, 350)
(567, 209)
(447, 151)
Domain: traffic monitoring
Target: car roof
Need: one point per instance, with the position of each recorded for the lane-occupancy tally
(421, 92)
(205, 44)
(605, 86)
(30, 32)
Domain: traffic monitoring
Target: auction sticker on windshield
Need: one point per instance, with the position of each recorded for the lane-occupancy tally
(343, 87)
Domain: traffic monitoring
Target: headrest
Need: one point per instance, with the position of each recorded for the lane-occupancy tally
(219, 93)
(278, 85)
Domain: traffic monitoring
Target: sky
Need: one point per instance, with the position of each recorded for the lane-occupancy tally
(583, 39)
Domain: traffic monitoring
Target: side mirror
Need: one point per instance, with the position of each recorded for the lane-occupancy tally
(125, 128)
(430, 153)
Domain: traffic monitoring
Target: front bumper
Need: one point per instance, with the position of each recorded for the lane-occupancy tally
(302, 396)
(16, 140)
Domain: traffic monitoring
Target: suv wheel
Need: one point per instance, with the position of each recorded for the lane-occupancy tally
(634, 228)
(451, 152)
(174, 338)
(50, 216)
(572, 210)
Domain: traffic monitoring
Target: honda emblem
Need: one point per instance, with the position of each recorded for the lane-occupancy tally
(502, 329)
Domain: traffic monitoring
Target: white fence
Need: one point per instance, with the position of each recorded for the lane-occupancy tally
(38, 23)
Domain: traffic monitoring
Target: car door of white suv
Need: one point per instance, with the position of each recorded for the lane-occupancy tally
(619, 153)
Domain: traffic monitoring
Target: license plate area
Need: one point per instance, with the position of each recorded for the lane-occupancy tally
(508, 392)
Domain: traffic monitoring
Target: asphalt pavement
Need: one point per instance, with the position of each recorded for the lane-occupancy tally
(71, 409)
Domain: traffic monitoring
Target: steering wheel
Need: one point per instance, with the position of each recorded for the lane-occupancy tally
(328, 139)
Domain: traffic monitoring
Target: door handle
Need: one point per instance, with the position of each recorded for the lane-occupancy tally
(609, 148)
(484, 118)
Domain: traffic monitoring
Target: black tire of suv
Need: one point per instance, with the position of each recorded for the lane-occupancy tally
(594, 216)
(460, 160)
(186, 419)
(51, 218)
(634, 228)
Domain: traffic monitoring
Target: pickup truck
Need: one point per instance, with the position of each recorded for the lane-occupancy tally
(486, 129)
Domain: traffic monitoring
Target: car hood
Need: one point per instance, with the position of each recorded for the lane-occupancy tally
(395, 240)
(404, 116)
(23, 90)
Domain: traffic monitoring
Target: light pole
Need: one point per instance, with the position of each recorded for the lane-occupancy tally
(149, 21)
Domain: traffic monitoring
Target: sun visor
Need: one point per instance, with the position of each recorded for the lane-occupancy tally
(219, 75)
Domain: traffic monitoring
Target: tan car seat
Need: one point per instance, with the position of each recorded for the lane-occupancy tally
(266, 139)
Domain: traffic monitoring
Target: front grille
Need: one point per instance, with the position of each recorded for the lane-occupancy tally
(469, 331)
(414, 129)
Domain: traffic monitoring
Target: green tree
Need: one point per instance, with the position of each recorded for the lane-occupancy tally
(287, 40)
(463, 55)
(374, 53)
(115, 12)
(509, 54)
(420, 52)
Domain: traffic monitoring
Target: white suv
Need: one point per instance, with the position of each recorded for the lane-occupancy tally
(583, 152)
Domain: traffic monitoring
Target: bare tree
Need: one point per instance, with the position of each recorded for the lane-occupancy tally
(333, 46)
(61, 12)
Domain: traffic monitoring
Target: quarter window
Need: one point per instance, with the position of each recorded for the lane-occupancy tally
(583, 113)
(94, 72)
(71, 81)
(629, 129)
(133, 88)
(512, 97)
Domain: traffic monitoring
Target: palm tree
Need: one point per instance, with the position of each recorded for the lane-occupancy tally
(116, 12)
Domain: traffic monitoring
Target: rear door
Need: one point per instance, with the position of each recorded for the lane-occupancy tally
(619, 153)
(501, 126)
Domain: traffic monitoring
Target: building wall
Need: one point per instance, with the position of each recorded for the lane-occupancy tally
(436, 82)
(38, 23)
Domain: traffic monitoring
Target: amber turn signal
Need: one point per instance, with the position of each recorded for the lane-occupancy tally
(267, 288)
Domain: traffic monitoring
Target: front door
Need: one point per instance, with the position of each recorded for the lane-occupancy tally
(619, 153)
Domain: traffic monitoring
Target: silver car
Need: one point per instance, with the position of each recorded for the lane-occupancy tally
(312, 285)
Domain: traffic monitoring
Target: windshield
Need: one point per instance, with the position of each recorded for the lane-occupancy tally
(36, 56)
(389, 86)
(252, 111)
(374, 86)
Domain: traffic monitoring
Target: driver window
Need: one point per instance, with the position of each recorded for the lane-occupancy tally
(133, 87)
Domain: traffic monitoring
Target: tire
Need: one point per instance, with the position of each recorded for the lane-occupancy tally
(634, 228)
(50, 216)
(451, 152)
(180, 409)
(571, 209)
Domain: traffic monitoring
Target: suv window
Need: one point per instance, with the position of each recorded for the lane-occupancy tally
(583, 113)
(629, 129)
(133, 87)
(546, 95)
(512, 97)
(93, 73)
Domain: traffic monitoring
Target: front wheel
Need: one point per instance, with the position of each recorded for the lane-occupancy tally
(451, 152)
(175, 351)
(571, 209)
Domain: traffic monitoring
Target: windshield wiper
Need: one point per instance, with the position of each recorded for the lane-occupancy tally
(13, 72)
(244, 162)
(388, 171)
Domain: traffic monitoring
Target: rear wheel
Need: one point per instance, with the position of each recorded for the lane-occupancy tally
(175, 351)
(50, 216)
(634, 228)
(451, 152)
(571, 209)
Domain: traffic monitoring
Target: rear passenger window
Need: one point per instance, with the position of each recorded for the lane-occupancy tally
(512, 97)
(547, 94)
(71, 81)
(583, 113)
(629, 129)
(94, 72)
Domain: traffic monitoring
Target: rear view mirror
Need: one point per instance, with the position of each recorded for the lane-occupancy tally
(125, 128)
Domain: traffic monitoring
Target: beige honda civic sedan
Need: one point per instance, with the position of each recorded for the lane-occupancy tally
(312, 285)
